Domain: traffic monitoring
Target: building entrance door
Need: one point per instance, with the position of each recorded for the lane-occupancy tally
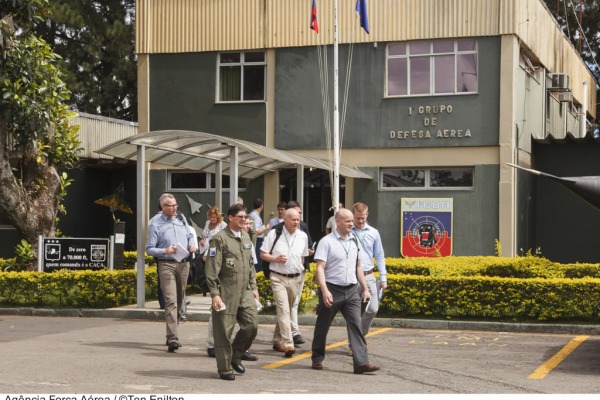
(317, 197)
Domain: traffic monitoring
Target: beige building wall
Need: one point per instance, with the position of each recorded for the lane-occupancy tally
(167, 26)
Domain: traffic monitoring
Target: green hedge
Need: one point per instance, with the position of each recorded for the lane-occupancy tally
(503, 267)
(79, 289)
(493, 298)
(522, 288)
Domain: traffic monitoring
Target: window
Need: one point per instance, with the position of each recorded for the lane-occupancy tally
(432, 67)
(433, 179)
(241, 76)
(190, 180)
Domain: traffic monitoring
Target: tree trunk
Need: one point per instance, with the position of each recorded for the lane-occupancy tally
(29, 204)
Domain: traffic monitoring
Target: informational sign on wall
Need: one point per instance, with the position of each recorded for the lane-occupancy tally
(74, 253)
(426, 227)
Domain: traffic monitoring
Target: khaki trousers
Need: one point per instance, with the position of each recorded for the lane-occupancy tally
(173, 280)
(285, 291)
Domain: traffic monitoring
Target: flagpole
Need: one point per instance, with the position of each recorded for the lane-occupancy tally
(335, 195)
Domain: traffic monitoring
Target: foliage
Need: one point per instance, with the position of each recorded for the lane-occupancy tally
(34, 121)
(493, 298)
(77, 289)
(505, 267)
(492, 288)
(96, 40)
(24, 253)
(566, 13)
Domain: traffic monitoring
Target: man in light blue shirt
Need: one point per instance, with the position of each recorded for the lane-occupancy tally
(342, 288)
(259, 228)
(370, 246)
(169, 239)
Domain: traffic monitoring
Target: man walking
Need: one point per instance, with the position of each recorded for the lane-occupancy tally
(296, 334)
(369, 243)
(341, 280)
(281, 207)
(259, 228)
(170, 241)
(231, 280)
(286, 253)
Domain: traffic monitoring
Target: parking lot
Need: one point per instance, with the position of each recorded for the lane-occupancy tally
(105, 355)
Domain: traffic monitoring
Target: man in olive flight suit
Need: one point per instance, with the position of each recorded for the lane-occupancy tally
(231, 279)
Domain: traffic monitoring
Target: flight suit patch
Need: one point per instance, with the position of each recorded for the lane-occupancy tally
(247, 246)
(212, 251)
(230, 262)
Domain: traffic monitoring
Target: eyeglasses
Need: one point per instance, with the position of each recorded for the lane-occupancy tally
(241, 216)
(170, 205)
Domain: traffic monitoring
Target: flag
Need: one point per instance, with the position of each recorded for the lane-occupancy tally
(314, 24)
(361, 8)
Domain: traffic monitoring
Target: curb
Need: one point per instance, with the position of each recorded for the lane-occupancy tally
(309, 320)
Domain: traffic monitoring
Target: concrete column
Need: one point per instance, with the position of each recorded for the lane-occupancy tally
(507, 211)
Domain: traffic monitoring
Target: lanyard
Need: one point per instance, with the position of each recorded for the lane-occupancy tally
(346, 250)
(361, 237)
(288, 242)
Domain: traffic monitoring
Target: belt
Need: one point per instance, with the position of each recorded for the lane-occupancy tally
(286, 275)
(369, 272)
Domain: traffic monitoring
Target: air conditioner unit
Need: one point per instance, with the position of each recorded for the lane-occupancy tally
(559, 82)
(564, 97)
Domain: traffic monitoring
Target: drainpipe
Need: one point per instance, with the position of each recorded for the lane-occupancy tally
(582, 122)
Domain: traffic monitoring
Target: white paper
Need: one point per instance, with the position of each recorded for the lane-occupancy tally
(180, 253)
(119, 238)
(259, 305)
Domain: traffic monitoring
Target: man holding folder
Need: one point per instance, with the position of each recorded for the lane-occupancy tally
(170, 241)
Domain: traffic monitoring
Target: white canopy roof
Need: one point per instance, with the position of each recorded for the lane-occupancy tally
(200, 151)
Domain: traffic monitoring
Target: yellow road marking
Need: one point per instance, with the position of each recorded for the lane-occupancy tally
(545, 368)
(307, 354)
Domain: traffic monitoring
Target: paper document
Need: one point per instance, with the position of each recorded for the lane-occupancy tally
(181, 253)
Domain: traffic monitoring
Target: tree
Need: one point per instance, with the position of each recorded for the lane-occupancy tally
(95, 39)
(568, 13)
(35, 136)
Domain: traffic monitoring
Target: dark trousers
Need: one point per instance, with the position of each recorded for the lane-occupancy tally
(259, 242)
(347, 300)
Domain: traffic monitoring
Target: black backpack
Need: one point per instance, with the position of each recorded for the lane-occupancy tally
(265, 265)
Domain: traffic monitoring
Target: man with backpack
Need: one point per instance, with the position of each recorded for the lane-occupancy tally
(285, 250)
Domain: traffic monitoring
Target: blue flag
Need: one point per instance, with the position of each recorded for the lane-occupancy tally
(361, 8)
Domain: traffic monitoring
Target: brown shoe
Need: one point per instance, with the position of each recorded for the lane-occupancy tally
(350, 351)
(317, 365)
(289, 351)
(366, 368)
(278, 347)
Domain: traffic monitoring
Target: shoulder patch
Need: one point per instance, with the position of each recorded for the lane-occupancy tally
(212, 251)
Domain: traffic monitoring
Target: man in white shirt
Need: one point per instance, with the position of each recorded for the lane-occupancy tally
(286, 254)
(330, 226)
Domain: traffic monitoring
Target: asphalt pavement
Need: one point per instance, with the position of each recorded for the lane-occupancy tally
(122, 350)
(199, 310)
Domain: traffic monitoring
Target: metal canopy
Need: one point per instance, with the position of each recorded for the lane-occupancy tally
(205, 152)
(201, 151)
